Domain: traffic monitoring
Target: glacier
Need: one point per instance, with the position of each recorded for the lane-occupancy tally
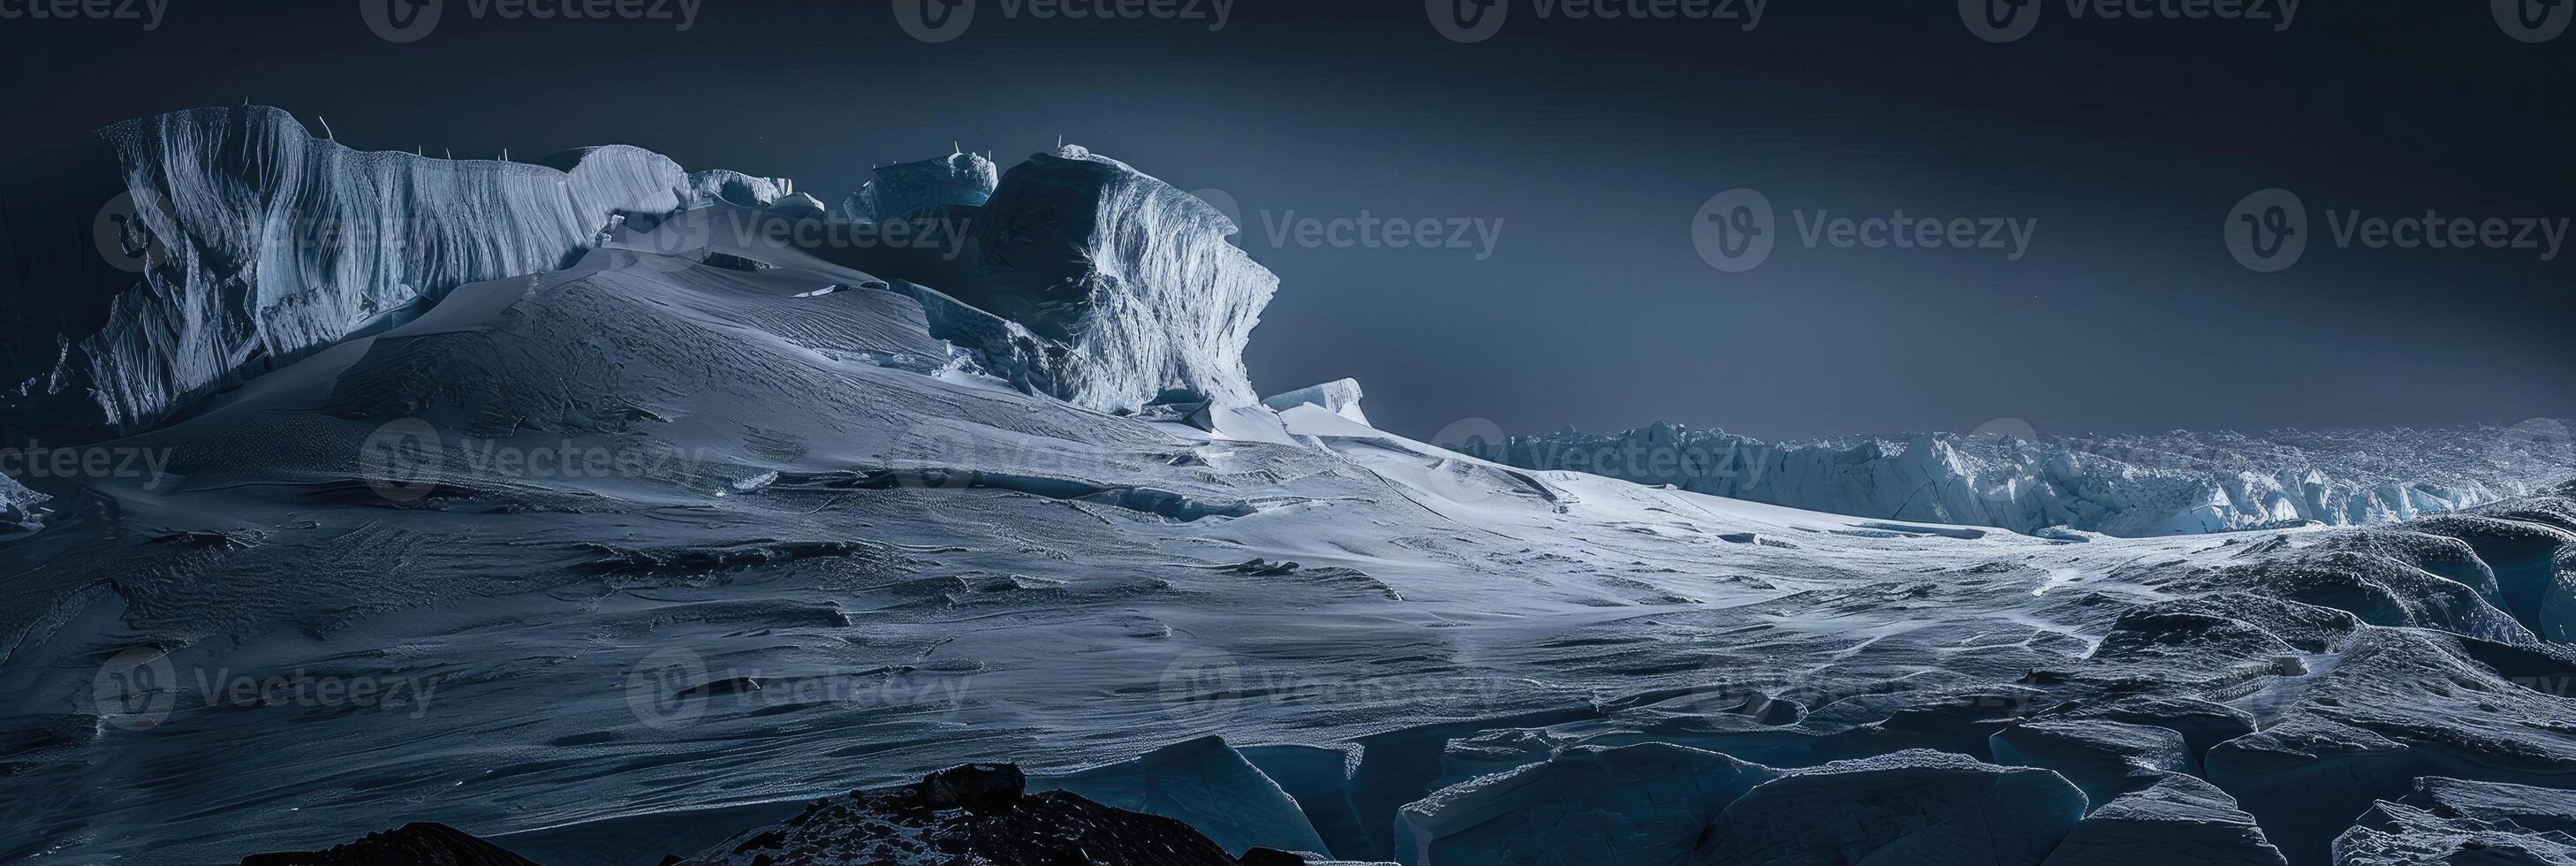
(705, 547)
(2128, 485)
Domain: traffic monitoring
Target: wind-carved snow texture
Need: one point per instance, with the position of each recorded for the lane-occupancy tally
(645, 551)
(234, 241)
(2142, 485)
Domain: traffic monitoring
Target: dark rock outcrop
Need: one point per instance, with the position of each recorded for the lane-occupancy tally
(418, 844)
(977, 813)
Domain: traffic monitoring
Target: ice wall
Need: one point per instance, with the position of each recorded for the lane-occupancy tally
(2127, 486)
(190, 250)
(905, 187)
(1132, 277)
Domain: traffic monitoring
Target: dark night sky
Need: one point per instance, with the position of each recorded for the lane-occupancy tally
(1594, 143)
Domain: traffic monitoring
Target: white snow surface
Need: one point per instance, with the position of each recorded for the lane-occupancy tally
(639, 553)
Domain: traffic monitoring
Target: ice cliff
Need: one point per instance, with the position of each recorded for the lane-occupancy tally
(906, 187)
(1130, 278)
(171, 256)
(2159, 484)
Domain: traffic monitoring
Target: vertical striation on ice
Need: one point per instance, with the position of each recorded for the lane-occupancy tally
(230, 240)
(1135, 276)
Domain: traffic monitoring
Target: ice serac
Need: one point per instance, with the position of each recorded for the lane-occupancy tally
(905, 188)
(2452, 821)
(2128, 485)
(174, 255)
(1203, 783)
(1340, 397)
(1133, 275)
(2103, 758)
(1639, 804)
(2178, 819)
(1914, 806)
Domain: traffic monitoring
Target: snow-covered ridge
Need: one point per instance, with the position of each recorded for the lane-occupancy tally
(2137, 485)
(233, 240)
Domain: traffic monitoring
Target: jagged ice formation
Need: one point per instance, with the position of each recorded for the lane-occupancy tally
(232, 240)
(2158, 484)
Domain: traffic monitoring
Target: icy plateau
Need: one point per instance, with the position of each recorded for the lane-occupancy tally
(617, 513)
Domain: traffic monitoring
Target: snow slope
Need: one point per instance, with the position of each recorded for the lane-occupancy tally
(636, 555)
(2120, 485)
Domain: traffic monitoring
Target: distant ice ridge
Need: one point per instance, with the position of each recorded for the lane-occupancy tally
(2160, 484)
(249, 242)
